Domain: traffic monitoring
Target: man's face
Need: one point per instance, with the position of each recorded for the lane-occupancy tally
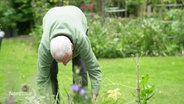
(65, 59)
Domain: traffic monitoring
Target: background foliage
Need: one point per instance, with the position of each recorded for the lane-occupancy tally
(159, 35)
(147, 36)
(16, 15)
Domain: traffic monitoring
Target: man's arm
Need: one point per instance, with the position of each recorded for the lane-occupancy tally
(44, 62)
(91, 64)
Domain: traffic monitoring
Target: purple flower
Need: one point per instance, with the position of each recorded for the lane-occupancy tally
(75, 88)
(82, 92)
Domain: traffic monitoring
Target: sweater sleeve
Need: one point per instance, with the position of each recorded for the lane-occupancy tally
(44, 62)
(91, 64)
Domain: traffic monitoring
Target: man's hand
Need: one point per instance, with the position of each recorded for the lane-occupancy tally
(94, 98)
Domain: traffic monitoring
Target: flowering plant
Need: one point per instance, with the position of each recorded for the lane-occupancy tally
(79, 95)
(89, 8)
(113, 96)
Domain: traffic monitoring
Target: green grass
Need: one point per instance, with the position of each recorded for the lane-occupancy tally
(18, 66)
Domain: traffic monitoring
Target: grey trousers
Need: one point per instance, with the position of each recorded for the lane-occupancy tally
(77, 64)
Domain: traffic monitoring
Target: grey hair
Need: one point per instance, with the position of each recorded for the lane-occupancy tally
(59, 46)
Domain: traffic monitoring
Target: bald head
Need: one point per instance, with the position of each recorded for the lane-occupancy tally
(61, 49)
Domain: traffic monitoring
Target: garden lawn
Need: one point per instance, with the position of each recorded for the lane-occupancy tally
(18, 66)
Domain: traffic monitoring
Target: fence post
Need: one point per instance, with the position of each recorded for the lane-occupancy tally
(102, 2)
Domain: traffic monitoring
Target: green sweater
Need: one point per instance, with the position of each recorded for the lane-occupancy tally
(70, 21)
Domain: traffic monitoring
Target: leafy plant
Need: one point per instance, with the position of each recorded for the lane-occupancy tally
(146, 91)
(173, 14)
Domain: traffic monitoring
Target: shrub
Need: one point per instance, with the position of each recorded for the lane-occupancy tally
(113, 37)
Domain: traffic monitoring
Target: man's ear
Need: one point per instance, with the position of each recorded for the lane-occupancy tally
(72, 47)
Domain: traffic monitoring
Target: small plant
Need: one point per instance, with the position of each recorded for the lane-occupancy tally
(146, 90)
(79, 95)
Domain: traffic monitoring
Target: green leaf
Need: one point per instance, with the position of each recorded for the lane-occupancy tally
(151, 88)
(144, 79)
(150, 96)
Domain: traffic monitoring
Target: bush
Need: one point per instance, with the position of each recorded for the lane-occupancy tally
(16, 15)
(105, 36)
(112, 37)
